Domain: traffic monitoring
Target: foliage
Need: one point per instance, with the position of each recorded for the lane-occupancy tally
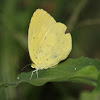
(82, 69)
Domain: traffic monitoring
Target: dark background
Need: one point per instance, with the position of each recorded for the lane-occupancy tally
(83, 20)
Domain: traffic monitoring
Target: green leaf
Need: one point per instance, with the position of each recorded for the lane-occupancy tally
(90, 96)
(83, 69)
(94, 95)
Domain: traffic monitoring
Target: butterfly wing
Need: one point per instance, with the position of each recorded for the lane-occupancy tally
(39, 26)
(48, 43)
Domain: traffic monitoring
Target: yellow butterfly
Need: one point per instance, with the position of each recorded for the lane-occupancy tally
(48, 43)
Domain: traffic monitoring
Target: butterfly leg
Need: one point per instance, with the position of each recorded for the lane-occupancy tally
(37, 73)
(32, 74)
(36, 70)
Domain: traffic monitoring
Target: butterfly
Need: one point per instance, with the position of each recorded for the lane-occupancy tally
(48, 42)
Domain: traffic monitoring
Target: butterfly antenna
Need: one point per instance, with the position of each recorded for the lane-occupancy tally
(25, 67)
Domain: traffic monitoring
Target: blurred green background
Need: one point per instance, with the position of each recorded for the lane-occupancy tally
(83, 20)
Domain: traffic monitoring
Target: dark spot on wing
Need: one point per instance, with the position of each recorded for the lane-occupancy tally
(66, 31)
(35, 57)
(47, 45)
(44, 38)
(54, 56)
